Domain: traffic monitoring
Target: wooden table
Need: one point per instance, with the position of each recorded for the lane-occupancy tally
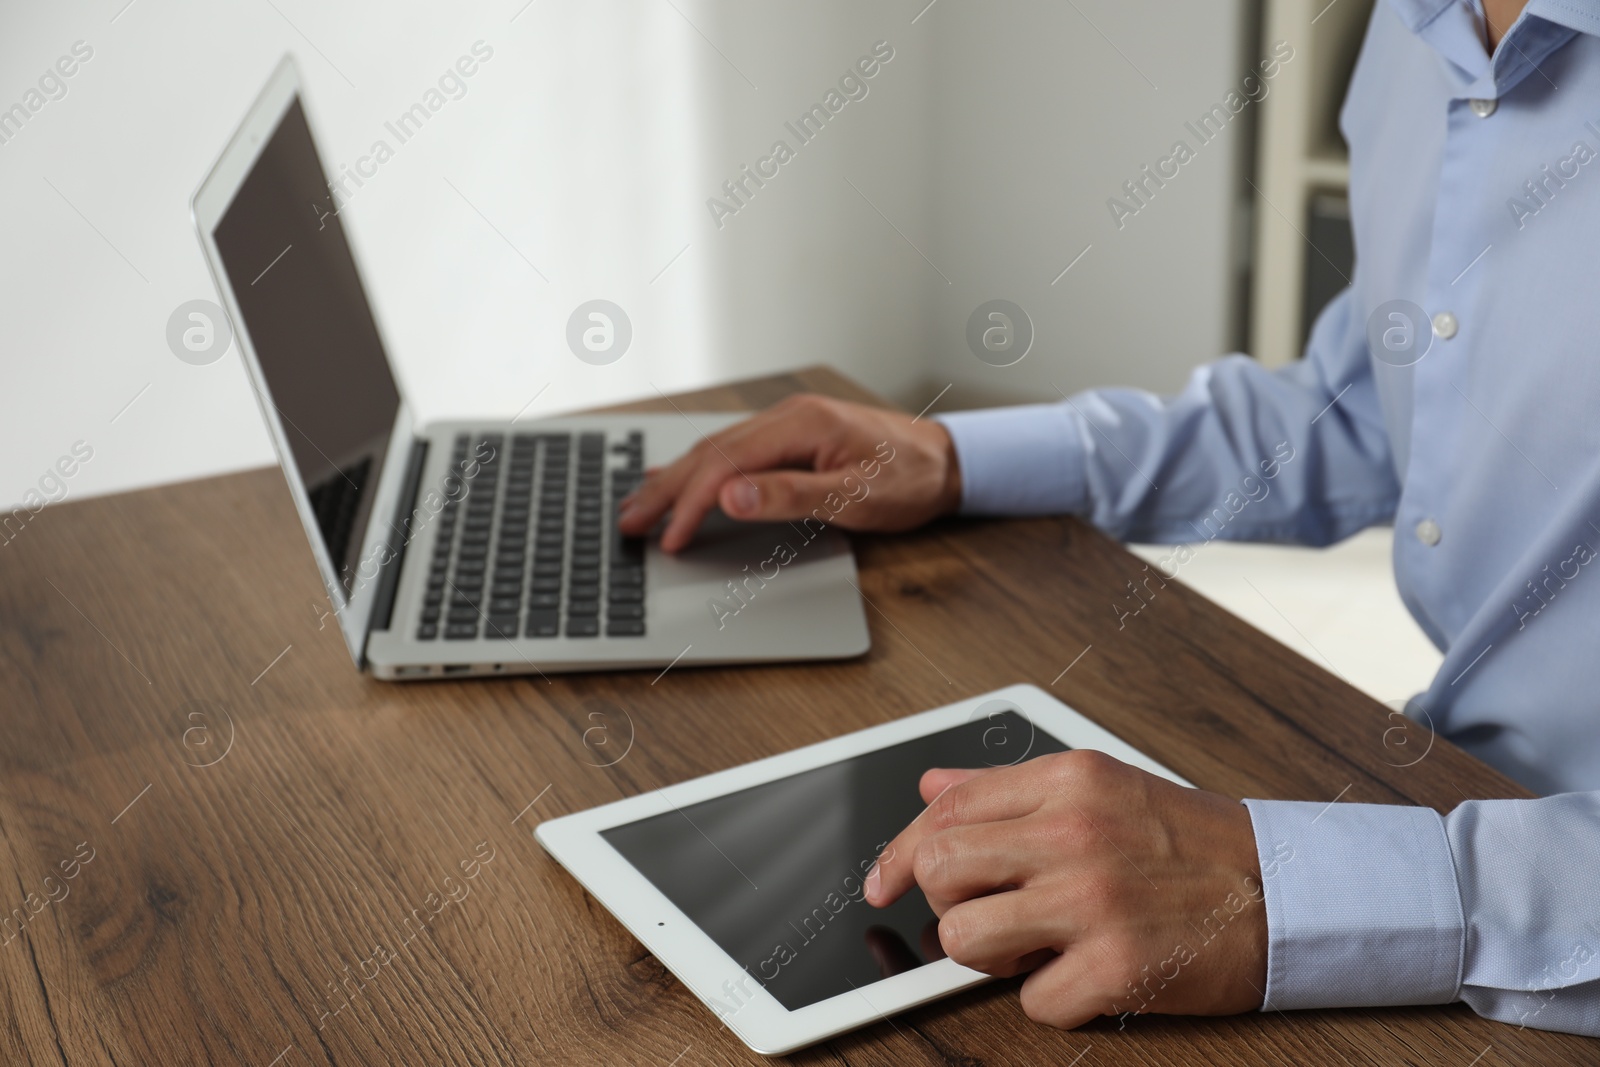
(260, 820)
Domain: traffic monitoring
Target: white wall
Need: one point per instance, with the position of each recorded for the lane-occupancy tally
(1040, 115)
(592, 141)
(809, 271)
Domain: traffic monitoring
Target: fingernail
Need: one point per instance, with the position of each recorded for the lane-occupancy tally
(745, 498)
(872, 884)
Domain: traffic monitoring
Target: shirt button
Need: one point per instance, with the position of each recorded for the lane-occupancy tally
(1445, 325)
(1428, 532)
(1483, 108)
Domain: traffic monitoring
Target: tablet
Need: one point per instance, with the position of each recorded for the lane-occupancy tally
(747, 884)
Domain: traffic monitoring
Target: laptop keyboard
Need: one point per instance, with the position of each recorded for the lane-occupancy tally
(528, 545)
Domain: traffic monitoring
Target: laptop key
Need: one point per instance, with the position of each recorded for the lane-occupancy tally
(544, 600)
(583, 627)
(625, 628)
(427, 632)
(501, 627)
(461, 631)
(543, 624)
(624, 611)
(626, 596)
(583, 608)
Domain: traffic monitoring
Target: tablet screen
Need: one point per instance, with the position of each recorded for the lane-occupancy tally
(774, 873)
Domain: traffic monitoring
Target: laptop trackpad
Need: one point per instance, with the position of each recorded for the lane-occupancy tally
(743, 586)
(725, 549)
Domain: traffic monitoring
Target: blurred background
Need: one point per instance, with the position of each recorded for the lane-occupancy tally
(985, 160)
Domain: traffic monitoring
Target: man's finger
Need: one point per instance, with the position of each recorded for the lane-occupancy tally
(939, 779)
(642, 509)
(694, 502)
(969, 861)
(779, 496)
(661, 489)
(982, 796)
(785, 435)
(1065, 993)
(998, 934)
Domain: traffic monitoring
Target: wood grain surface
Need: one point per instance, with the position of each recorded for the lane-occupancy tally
(258, 837)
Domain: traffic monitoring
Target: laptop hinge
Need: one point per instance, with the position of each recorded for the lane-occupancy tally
(401, 532)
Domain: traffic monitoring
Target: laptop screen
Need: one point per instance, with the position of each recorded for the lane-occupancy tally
(307, 316)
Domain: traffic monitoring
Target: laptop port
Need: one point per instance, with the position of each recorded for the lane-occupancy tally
(457, 668)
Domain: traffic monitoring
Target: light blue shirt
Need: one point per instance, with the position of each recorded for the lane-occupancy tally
(1475, 194)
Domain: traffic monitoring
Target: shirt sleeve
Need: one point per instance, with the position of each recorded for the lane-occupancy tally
(1497, 904)
(1243, 452)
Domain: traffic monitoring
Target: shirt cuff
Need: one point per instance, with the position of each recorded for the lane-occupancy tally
(1363, 909)
(1026, 460)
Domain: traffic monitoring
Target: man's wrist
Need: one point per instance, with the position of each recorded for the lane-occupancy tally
(950, 492)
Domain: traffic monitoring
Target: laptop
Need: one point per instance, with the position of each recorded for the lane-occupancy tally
(478, 548)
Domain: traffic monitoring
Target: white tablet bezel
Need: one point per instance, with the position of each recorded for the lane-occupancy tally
(709, 973)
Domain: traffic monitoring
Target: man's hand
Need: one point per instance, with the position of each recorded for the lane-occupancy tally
(1121, 891)
(805, 453)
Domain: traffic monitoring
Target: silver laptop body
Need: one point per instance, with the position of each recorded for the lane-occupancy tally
(471, 548)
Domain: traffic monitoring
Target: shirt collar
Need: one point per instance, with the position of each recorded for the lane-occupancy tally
(1453, 29)
(1416, 14)
(1580, 15)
